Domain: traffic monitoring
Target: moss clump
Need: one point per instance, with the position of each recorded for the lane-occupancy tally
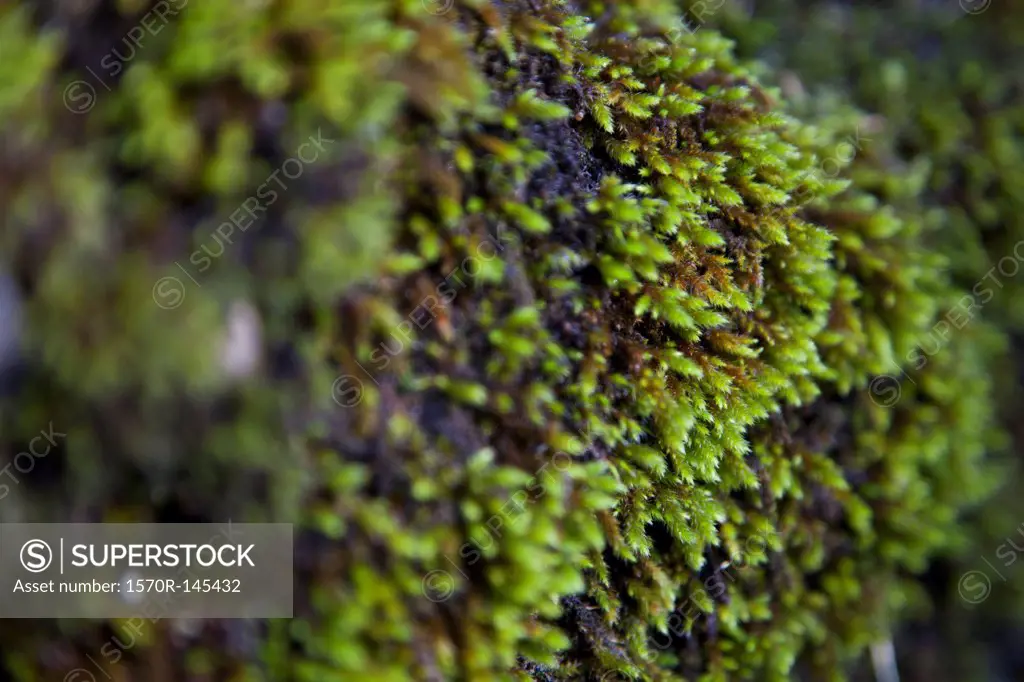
(941, 79)
(567, 339)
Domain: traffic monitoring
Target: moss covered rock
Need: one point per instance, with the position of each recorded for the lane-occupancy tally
(562, 333)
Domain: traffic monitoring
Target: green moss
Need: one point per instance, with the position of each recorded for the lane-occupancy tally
(602, 310)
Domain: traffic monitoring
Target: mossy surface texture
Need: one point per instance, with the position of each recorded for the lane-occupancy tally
(577, 351)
